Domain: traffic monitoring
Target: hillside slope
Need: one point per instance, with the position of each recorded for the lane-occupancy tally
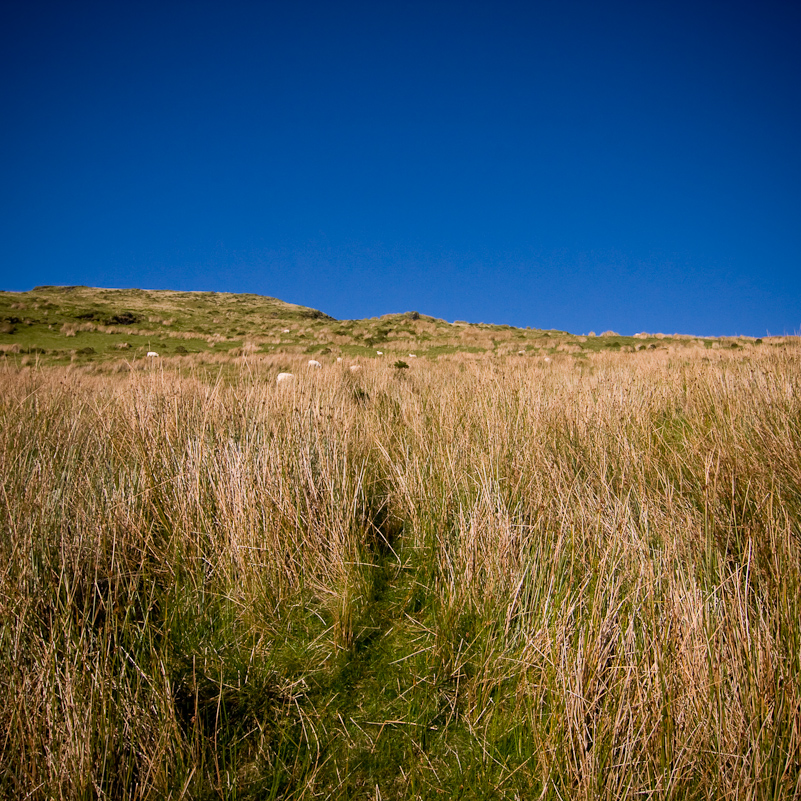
(67, 324)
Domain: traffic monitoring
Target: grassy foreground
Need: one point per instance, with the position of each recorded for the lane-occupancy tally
(472, 578)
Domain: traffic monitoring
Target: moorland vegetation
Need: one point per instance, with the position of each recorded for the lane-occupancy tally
(573, 572)
(68, 325)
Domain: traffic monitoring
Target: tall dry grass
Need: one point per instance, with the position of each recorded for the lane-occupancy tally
(476, 578)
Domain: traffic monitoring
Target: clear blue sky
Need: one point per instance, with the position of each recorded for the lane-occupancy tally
(573, 165)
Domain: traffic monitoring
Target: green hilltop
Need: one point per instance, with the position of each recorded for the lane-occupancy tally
(77, 323)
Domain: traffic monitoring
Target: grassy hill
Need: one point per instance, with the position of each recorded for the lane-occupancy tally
(84, 324)
(532, 565)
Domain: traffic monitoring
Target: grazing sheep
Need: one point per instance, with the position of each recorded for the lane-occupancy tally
(354, 368)
(412, 356)
(339, 358)
(380, 352)
(547, 358)
(315, 364)
(151, 354)
(284, 378)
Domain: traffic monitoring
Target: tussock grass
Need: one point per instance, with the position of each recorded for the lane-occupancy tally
(476, 578)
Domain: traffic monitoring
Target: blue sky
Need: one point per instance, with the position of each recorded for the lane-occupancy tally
(573, 165)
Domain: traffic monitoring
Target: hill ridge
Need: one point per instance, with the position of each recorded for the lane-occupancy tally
(69, 323)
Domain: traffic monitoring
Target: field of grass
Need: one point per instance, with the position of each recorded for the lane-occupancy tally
(481, 576)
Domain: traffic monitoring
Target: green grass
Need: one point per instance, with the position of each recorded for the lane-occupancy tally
(57, 324)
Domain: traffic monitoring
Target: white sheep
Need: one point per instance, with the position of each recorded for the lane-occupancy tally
(412, 356)
(339, 359)
(380, 352)
(284, 378)
(152, 354)
(315, 364)
(354, 368)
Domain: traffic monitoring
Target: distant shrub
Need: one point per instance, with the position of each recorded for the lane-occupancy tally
(124, 318)
(314, 314)
(401, 365)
